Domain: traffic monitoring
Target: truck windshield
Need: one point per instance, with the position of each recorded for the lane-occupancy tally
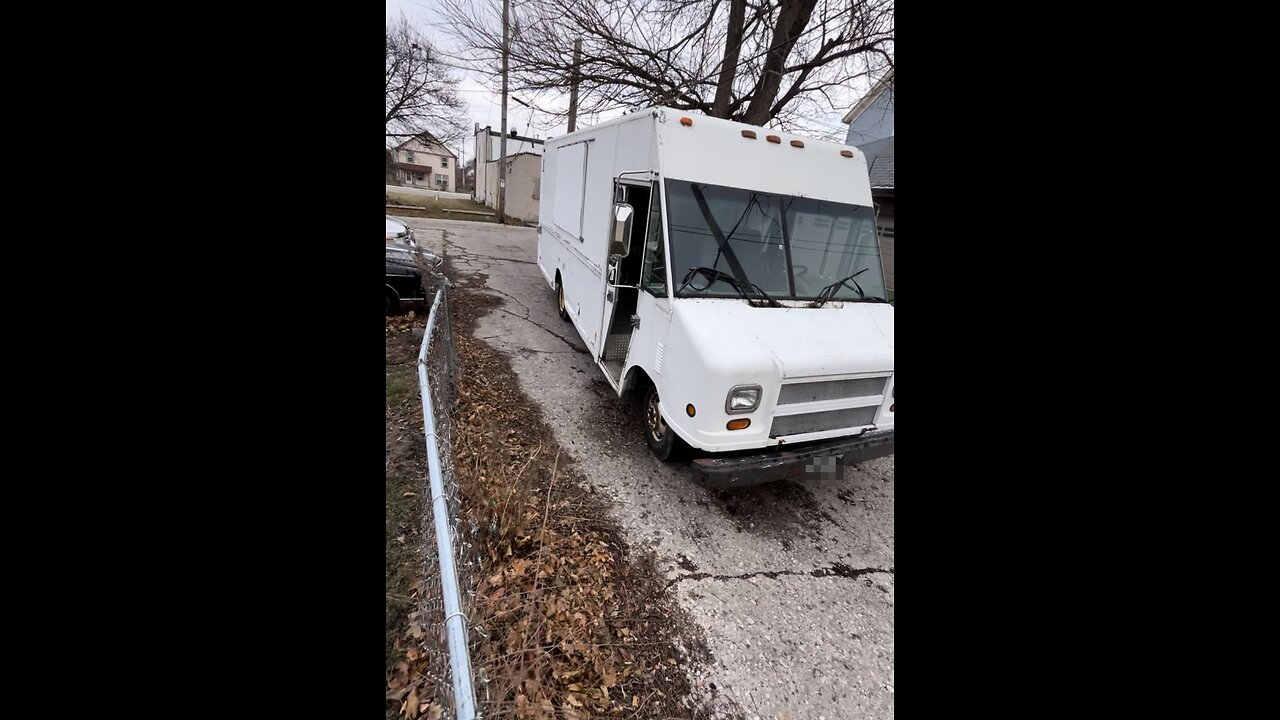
(791, 247)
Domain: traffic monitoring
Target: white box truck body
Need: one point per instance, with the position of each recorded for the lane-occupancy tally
(730, 273)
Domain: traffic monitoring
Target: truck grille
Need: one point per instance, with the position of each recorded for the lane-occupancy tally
(804, 392)
(784, 425)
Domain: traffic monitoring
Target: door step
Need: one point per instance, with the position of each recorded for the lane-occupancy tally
(615, 347)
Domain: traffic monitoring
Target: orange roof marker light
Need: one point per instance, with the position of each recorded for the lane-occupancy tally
(846, 153)
(797, 143)
(749, 134)
(686, 121)
(773, 138)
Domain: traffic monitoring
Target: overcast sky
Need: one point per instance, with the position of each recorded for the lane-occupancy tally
(484, 100)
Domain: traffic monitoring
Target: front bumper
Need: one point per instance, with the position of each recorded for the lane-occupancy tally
(778, 463)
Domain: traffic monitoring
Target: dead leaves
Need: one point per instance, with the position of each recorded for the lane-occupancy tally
(410, 708)
(413, 707)
(573, 627)
(404, 323)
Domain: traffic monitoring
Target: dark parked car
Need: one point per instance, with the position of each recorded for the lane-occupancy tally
(405, 264)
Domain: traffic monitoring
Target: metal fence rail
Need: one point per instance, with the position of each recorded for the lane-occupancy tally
(451, 566)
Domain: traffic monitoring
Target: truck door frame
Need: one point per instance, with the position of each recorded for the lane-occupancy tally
(613, 289)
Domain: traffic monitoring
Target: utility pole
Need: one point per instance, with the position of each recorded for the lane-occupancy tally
(573, 85)
(502, 148)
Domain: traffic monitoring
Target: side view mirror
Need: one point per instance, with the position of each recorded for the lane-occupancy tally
(622, 216)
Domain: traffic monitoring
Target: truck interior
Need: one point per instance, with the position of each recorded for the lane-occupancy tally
(624, 297)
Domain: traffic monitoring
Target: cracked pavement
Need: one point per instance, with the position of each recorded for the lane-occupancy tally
(792, 582)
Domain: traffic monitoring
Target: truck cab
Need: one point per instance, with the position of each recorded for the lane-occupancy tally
(731, 276)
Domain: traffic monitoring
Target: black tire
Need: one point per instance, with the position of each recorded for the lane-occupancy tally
(393, 304)
(561, 305)
(661, 438)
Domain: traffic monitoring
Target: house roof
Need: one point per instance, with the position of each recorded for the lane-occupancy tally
(879, 162)
(885, 83)
(430, 141)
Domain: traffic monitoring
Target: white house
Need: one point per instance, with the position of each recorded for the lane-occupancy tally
(422, 161)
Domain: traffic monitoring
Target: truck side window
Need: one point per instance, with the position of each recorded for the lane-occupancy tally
(655, 264)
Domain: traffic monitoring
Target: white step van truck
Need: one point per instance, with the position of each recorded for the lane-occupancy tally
(730, 275)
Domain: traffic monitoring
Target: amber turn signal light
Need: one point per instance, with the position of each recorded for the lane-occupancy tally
(690, 410)
(686, 121)
(739, 424)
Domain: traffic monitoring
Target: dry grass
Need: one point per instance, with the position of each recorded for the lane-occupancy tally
(426, 203)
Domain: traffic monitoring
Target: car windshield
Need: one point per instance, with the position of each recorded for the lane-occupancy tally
(791, 247)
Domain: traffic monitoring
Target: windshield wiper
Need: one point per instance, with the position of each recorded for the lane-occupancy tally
(713, 275)
(729, 255)
(830, 291)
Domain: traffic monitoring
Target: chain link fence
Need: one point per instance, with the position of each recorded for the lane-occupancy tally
(452, 564)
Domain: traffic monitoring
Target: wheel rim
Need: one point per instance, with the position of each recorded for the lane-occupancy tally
(653, 418)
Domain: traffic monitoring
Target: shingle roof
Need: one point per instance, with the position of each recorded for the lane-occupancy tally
(431, 142)
(879, 161)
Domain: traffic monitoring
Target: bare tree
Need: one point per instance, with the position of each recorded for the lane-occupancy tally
(421, 94)
(755, 61)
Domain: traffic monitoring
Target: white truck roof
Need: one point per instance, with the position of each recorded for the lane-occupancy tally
(714, 150)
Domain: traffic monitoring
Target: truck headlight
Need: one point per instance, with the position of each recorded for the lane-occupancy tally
(742, 399)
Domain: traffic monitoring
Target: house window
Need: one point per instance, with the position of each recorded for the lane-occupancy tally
(422, 176)
(442, 180)
(408, 155)
(444, 162)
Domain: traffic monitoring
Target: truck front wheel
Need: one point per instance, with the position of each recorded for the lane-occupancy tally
(661, 438)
